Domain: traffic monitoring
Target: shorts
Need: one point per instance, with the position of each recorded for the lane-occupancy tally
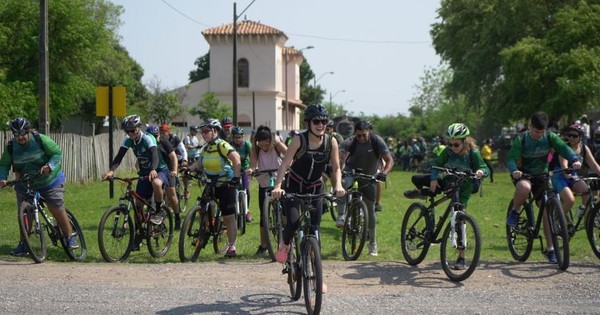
(144, 186)
(560, 182)
(53, 197)
(538, 185)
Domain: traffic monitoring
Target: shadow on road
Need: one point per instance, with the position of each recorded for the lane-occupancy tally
(263, 303)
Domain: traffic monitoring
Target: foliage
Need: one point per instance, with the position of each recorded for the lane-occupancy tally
(163, 106)
(211, 107)
(202, 70)
(309, 94)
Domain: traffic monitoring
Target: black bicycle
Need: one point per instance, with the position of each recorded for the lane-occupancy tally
(120, 232)
(520, 237)
(592, 215)
(356, 224)
(33, 229)
(272, 215)
(461, 241)
(303, 266)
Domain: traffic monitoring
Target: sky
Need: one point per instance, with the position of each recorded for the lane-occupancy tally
(377, 50)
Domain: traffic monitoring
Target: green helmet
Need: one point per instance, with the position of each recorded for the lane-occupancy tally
(457, 131)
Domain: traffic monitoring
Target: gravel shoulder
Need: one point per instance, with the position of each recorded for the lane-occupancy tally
(257, 287)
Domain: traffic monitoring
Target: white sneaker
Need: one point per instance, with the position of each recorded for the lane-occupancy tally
(341, 220)
(373, 249)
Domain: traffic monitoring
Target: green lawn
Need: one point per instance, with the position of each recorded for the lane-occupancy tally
(89, 201)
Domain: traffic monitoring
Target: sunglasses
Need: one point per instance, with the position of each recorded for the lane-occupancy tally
(20, 133)
(320, 121)
(573, 135)
(359, 135)
(206, 131)
(456, 145)
(130, 131)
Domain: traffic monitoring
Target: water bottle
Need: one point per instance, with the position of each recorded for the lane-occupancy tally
(580, 211)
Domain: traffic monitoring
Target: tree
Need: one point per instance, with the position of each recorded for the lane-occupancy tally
(163, 106)
(211, 107)
(309, 94)
(202, 70)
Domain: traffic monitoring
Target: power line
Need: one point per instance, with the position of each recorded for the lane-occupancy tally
(184, 15)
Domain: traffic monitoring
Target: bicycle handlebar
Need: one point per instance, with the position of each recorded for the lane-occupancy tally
(307, 196)
(456, 172)
(268, 171)
(358, 174)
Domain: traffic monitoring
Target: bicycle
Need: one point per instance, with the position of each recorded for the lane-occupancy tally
(202, 222)
(356, 225)
(303, 265)
(181, 197)
(592, 215)
(31, 227)
(241, 208)
(119, 234)
(521, 236)
(461, 239)
(272, 215)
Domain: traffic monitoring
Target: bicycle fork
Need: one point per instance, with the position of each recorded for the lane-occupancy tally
(462, 233)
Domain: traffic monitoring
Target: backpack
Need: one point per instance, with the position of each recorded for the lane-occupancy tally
(36, 136)
(304, 145)
(355, 143)
(220, 149)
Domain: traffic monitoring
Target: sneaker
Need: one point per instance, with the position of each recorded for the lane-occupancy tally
(261, 251)
(373, 250)
(513, 218)
(20, 250)
(412, 194)
(460, 264)
(282, 252)
(340, 222)
(550, 256)
(248, 217)
(177, 222)
(156, 218)
(72, 242)
(230, 251)
(377, 207)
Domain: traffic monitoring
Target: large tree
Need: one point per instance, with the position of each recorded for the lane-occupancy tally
(202, 70)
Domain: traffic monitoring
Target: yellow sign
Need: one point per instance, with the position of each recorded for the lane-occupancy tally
(118, 100)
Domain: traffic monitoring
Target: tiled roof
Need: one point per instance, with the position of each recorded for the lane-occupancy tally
(243, 28)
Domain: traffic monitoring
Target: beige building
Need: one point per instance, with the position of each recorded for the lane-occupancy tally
(264, 65)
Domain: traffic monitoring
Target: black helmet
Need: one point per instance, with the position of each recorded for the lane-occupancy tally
(237, 130)
(194, 128)
(20, 124)
(211, 123)
(131, 122)
(227, 121)
(330, 123)
(577, 127)
(315, 112)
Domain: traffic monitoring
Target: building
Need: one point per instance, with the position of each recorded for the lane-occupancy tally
(268, 73)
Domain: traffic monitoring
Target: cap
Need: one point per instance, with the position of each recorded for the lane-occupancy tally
(164, 127)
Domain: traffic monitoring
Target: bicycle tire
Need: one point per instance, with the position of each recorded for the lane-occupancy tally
(415, 234)
(75, 254)
(194, 234)
(160, 236)
(241, 216)
(218, 231)
(465, 226)
(559, 232)
(182, 200)
(32, 233)
(115, 234)
(330, 206)
(592, 228)
(312, 275)
(272, 225)
(520, 237)
(354, 234)
(294, 270)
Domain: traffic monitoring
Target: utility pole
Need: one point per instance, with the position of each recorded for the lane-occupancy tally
(43, 88)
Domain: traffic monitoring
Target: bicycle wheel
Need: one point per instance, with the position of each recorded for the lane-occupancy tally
(183, 201)
(331, 207)
(76, 254)
(560, 234)
(355, 229)
(312, 275)
(293, 270)
(159, 237)
(520, 237)
(115, 234)
(272, 224)
(32, 233)
(241, 216)
(218, 231)
(194, 234)
(460, 250)
(593, 229)
(415, 234)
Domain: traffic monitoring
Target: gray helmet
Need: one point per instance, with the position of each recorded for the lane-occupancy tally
(20, 124)
(131, 122)
(237, 130)
(457, 131)
(211, 123)
(315, 112)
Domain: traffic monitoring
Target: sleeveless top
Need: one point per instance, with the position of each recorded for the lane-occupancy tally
(309, 167)
(266, 161)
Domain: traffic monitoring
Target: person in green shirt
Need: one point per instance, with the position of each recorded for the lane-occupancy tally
(38, 157)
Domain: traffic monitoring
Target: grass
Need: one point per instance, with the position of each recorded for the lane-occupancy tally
(89, 201)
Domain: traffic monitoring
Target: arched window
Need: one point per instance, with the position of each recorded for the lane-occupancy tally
(243, 73)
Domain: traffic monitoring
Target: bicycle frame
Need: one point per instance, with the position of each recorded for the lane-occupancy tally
(589, 205)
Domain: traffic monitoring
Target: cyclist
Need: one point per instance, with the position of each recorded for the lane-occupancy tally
(364, 150)
(243, 148)
(221, 162)
(529, 154)
(486, 153)
(192, 145)
(567, 184)
(168, 154)
(37, 156)
(150, 162)
(306, 158)
(461, 153)
(266, 155)
(226, 125)
(180, 150)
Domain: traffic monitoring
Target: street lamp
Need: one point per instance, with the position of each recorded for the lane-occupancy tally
(331, 96)
(319, 78)
(287, 60)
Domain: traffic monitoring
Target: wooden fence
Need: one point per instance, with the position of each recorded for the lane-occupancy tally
(84, 158)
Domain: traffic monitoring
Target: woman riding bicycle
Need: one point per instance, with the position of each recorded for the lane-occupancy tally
(461, 153)
(306, 158)
(219, 161)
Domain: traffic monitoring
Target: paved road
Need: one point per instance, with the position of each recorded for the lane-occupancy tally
(234, 287)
